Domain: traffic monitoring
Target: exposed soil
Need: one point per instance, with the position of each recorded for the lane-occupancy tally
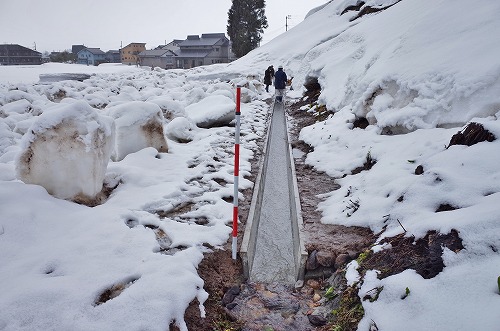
(423, 255)
(472, 134)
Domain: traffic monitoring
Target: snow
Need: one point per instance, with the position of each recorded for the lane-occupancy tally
(138, 125)
(212, 110)
(66, 150)
(418, 71)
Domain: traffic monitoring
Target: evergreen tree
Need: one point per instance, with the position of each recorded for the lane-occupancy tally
(246, 23)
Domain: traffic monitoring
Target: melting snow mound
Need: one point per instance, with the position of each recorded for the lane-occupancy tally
(66, 150)
(214, 110)
(138, 125)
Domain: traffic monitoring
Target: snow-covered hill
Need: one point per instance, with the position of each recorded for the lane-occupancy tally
(418, 71)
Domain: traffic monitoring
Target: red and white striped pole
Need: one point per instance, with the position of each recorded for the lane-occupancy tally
(236, 172)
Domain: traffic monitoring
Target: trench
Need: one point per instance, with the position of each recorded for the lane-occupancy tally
(273, 249)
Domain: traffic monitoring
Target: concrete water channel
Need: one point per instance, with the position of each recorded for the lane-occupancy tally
(273, 249)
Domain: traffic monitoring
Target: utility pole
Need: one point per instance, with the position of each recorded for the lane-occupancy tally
(288, 17)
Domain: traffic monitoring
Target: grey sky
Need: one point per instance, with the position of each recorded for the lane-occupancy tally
(106, 24)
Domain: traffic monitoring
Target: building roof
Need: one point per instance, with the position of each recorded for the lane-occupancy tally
(18, 47)
(143, 44)
(76, 48)
(156, 53)
(173, 45)
(189, 54)
(207, 39)
(94, 51)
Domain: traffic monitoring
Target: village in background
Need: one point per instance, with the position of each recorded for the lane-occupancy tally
(194, 51)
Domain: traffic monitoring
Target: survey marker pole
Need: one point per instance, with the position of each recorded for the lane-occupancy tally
(236, 172)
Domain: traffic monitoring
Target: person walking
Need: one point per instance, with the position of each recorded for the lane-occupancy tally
(268, 77)
(280, 80)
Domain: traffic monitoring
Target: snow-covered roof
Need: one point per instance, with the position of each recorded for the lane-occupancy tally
(196, 54)
(207, 39)
(156, 53)
(95, 51)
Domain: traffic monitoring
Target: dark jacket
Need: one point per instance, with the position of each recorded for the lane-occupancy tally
(268, 75)
(280, 79)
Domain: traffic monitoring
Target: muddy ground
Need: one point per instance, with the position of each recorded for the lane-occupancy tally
(322, 301)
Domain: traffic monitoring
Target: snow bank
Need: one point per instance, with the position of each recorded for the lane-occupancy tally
(66, 150)
(138, 125)
(180, 129)
(214, 110)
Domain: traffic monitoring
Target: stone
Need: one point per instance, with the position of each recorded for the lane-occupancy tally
(316, 320)
(312, 283)
(321, 272)
(419, 170)
(230, 306)
(325, 258)
(312, 262)
(230, 295)
(353, 254)
(341, 260)
(316, 297)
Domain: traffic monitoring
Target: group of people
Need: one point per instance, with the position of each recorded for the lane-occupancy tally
(280, 80)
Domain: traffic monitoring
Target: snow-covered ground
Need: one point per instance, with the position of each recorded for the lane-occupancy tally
(58, 257)
(421, 70)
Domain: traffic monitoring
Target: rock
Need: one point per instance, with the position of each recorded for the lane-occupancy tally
(299, 284)
(316, 297)
(341, 260)
(312, 262)
(419, 170)
(353, 254)
(321, 272)
(316, 320)
(326, 259)
(230, 295)
(312, 283)
(312, 84)
(230, 306)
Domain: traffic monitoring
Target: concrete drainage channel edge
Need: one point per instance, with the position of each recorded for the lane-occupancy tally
(248, 246)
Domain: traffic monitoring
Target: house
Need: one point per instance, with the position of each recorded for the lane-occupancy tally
(210, 48)
(162, 58)
(91, 56)
(13, 54)
(76, 48)
(113, 56)
(171, 46)
(129, 54)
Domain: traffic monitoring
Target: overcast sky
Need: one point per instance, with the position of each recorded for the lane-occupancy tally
(55, 25)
